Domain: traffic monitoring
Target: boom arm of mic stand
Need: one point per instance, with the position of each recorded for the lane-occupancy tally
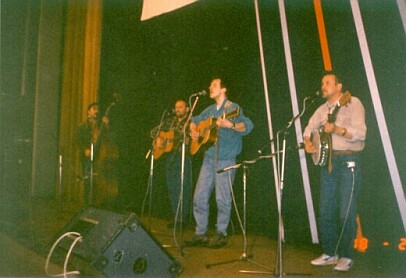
(161, 122)
(283, 131)
(281, 177)
(252, 161)
(236, 166)
(244, 256)
(298, 115)
(192, 109)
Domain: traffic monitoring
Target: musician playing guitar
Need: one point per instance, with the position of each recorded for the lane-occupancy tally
(342, 117)
(169, 142)
(222, 153)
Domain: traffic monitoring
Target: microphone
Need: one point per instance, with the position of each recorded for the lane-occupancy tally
(202, 93)
(316, 94)
(171, 112)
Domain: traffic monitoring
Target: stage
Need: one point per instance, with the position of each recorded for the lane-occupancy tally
(25, 246)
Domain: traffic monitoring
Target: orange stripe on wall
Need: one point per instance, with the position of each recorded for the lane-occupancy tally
(322, 35)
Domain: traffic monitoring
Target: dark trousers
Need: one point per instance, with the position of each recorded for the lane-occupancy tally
(88, 190)
(339, 192)
(173, 180)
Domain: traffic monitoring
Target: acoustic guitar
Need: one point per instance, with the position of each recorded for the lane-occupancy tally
(208, 131)
(163, 143)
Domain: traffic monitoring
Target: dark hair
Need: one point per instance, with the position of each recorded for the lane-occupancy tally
(92, 105)
(223, 81)
(337, 76)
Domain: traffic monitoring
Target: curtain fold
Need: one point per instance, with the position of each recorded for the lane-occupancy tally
(80, 83)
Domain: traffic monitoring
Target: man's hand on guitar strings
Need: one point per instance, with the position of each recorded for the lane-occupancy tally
(224, 123)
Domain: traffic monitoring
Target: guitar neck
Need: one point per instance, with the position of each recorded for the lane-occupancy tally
(227, 116)
(331, 118)
(345, 98)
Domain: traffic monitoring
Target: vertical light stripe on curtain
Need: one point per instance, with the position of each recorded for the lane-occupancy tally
(80, 83)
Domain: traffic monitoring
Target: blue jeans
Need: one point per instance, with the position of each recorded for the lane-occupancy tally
(173, 181)
(337, 189)
(208, 180)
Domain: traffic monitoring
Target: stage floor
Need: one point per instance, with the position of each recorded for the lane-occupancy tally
(24, 249)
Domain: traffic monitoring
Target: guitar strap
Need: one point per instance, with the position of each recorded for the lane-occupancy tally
(227, 105)
(347, 96)
(330, 153)
(329, 139)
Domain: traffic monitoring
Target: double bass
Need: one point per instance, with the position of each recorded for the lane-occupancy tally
(106, 163)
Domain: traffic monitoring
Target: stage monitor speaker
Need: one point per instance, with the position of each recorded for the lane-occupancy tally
(117, 245)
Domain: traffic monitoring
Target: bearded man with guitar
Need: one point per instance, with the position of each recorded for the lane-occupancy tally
(217, 131)
(169, 141)
(337, 128)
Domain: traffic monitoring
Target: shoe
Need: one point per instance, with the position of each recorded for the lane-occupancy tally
(198, 240)
(344, 264)
(218, 241)
(325, 260)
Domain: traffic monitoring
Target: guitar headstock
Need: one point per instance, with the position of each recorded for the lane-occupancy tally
(345, 98)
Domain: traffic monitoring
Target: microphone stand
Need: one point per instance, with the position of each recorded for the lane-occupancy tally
(151, 171)
(244, 256)
(91, 173)
(182, 176)
(60, 168)
(281, 179)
